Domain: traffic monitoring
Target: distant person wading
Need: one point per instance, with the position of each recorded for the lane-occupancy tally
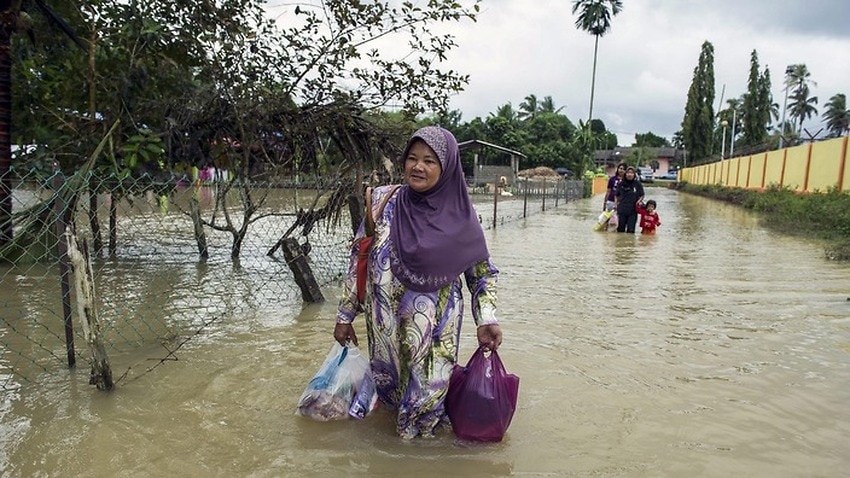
(629, 194)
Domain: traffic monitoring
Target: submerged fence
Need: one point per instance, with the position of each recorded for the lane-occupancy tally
(171, 261)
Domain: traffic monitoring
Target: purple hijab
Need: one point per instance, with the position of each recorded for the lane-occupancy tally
(435, 235)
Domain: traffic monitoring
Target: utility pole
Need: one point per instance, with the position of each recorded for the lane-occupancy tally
(788, 70)
(732, 135)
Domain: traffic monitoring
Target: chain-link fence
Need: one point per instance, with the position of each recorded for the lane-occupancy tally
(171, 260)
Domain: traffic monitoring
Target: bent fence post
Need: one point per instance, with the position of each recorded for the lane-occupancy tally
(297, 262)
(101, 372)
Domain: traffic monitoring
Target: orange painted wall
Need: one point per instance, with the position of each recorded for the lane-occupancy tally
(795, 167)
(733, 166)
(811, 167)
(773, 172)
(825, 167)
(757, 171)
(600, 185)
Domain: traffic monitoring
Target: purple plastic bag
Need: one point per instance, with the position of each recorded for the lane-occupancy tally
(482, 398)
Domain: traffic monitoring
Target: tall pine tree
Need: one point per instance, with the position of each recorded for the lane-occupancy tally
(757, 101)
(698, 123)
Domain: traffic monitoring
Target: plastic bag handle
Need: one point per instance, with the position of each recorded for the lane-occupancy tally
(342, 355)
(498, 366)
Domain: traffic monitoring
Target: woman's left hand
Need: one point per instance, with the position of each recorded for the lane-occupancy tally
(490, 336)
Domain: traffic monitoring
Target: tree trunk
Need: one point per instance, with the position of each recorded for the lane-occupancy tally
(94, 222)
(200, 235)
(593, 82)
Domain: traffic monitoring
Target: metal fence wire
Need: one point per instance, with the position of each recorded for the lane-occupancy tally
(172, 260)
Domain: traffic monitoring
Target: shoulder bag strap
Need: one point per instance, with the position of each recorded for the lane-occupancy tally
(370, 222)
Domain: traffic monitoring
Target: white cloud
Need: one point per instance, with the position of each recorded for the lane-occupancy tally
(646, 62)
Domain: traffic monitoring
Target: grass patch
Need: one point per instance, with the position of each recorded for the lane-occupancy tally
(824, 216)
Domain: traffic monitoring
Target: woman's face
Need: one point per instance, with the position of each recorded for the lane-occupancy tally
(630, 174)
(621, 171)
(422, 167)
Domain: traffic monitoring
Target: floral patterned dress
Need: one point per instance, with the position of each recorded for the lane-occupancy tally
(413, 336)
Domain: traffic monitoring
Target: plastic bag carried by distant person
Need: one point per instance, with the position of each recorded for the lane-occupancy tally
(482, 398)
(329, 394)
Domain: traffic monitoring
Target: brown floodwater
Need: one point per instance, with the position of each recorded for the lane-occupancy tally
(715, 348)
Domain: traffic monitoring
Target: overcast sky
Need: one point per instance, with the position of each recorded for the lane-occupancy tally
(646, 61)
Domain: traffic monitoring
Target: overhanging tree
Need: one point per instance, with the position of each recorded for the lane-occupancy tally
(13, 20)
(298, 95)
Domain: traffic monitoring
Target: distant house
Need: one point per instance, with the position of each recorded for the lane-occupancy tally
(659, 159)
(506, 166)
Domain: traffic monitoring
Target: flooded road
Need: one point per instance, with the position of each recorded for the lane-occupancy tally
(715, 348)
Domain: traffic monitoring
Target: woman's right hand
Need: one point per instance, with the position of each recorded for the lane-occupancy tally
(345, 332)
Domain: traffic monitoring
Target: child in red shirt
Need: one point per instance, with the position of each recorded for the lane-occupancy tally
(649, 219)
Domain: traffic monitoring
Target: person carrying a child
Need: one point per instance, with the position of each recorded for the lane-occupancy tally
(649, 219)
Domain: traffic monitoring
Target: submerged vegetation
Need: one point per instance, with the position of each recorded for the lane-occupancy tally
(823, 216)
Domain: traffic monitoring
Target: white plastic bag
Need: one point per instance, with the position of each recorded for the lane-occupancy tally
(329, 393)
(612, 223)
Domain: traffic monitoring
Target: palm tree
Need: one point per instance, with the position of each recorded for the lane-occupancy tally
(797, 80)
(733, 114)
(505, 111)
(837, 116)
(798, 75)
(529, 107)
(594, 17)
(548, 106)
(802, 105)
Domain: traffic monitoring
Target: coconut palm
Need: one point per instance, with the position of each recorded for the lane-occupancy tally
(733, 115)
(802, 105)
(594, 17)
(548, 105)
(797, 81)
(798, 75)
(529, 107)
(505, 111)
(837, 116)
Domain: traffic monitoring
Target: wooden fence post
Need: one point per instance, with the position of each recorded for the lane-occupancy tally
(525, 199)
(294, 255)
(543, 208)
(60, 216)
(101, 372)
